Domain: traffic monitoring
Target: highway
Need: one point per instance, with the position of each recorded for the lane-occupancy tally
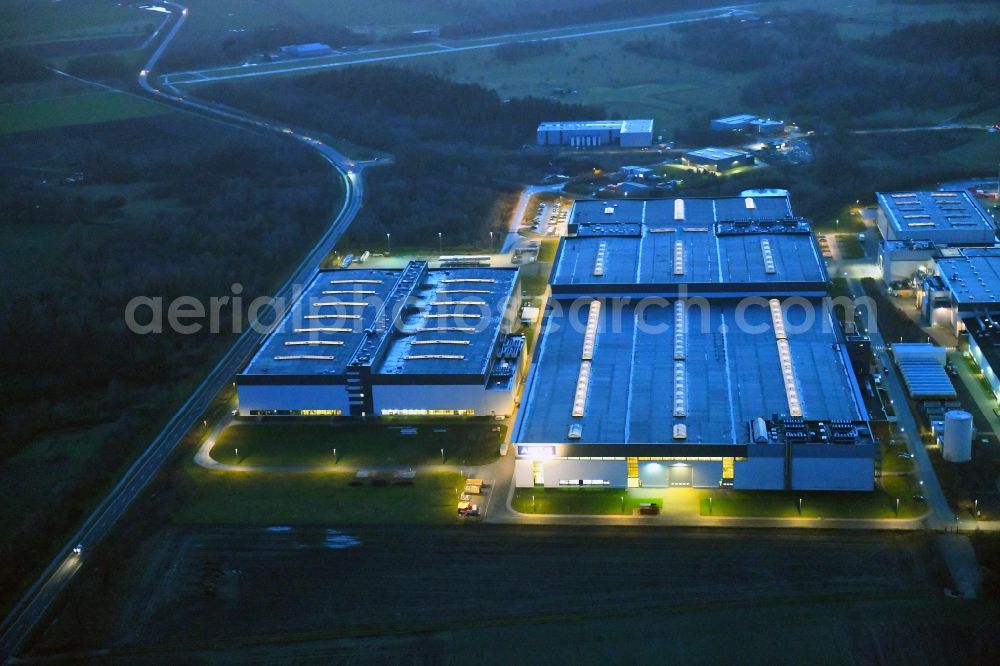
(57, 575)
(455, 46)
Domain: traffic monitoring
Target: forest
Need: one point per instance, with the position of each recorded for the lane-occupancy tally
(456, 147)
(164, 207)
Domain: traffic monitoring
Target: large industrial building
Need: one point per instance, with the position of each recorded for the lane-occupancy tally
(626, 133)
(412, 341)
(717, 159)
(687, 343)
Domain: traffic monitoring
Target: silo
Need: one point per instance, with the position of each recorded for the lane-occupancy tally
(957, 442)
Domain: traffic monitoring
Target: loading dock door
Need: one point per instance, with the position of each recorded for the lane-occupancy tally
(680, 475)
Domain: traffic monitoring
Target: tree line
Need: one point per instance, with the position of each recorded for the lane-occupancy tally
(457, 147)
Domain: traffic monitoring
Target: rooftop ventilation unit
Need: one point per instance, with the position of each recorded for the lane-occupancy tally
(590, 334)
(582, 384)
(602, 250)
(680, 331)
(322, 329)
(765, 248)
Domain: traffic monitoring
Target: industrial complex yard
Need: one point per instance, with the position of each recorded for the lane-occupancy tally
(666, 332)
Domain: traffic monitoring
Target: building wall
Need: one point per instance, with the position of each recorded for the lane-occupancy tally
(833, 473)
(292, 398)
(424, 397)
(657, 473)
(636, 139)
(984, 366)
(766, 472)
(524, 474)
(902, 264)
(582, 137)
(615, 471)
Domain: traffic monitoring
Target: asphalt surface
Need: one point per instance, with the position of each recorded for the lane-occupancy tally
(60, 571)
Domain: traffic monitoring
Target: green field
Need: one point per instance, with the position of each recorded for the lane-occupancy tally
(464, 443)
(229, 498)
(80, 109)
(692, 502)
(31, 20)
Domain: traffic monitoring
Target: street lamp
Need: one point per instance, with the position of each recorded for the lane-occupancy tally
(440, 244)
(388, 244)
(491, 240)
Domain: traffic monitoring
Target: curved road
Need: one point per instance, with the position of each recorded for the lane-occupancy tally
(57, 575)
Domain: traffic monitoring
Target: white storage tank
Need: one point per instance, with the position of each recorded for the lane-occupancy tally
(957, 442)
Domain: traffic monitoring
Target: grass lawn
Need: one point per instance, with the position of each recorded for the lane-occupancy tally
(575, 501)
(81, 109)
(307, 499)
(30, 20)
(603, 74)
(744, 504)
(768, 504)
(464, 443)
(547, 250)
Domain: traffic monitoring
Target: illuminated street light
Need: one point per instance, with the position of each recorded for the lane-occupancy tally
(440, 244)
(388, 244)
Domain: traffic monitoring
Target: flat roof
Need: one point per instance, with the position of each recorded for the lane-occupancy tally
(740, 118)
(731, 362)
(926, 378)
(328, 327)
(972, 275)
(449, 321)
(629, 125)
(724, 241)
(916, 213)
(471, 303)
(712, 153)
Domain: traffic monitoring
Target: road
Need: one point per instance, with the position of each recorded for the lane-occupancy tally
(60, 571)
(455, 46)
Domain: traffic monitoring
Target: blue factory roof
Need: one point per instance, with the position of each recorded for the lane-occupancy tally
(971, 274)
(630, 125)
(669, 242)
(408, 321)
(731, 364)
(715, 154)
(472, 301)
(324, 325)
(740, 119)
(914, 213)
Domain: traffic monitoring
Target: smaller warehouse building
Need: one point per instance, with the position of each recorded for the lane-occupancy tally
(717, 159)
(410, 341)
(747, 122)
(311, 50)
(943, 218)
(592, 133)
